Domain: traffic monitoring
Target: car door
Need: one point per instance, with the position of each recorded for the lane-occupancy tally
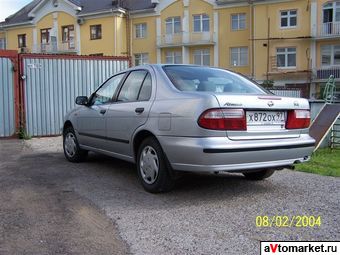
(129, 112)
(91, 121)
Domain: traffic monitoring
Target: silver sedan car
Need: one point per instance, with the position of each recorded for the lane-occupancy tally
(172, 118)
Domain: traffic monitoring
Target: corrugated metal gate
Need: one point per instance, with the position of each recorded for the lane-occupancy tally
(7, 95)
(51, 84)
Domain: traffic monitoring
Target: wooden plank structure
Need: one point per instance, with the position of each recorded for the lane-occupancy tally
(324, 122)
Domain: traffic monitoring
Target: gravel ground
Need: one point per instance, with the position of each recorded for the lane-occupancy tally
(205, 214)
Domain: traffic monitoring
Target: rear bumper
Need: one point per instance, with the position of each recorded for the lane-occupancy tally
(221, 154)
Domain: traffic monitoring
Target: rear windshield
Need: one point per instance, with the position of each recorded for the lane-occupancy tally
(200, 79)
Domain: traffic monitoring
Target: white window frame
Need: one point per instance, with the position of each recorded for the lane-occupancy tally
(142, 28)
(286, 53)
(239, 56)
(201, 53)
(289, 15)
(332, 54)
(239, 17)
(170, 57)
(171, 21)
(2, 43)
(201, 19)
(142, 58)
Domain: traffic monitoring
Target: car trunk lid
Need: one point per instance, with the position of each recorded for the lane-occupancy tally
(266, 115)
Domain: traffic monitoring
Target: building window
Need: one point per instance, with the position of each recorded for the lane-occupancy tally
(201, 23)
(96, 32)
(331, 12)
(239, 56)
(202, 57)
(173, 25)
(173, 57)
(288, 18)
(22, 41)
(330, 55)
(238, 21)
(45, 35)
(67, 33)
(286, 57)
(141, 59)
(2, 43)
(141, 30)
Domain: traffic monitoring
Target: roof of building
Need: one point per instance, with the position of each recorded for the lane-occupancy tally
(87, 6)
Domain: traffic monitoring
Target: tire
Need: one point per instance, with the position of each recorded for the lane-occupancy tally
(259, 175)
(153, 168)
(72, 151)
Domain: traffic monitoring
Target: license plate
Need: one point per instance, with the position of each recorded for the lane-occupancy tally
(266, 118)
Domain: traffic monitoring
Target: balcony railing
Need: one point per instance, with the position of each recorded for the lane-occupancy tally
(184, 38)
(56, 47)
(323, 73)
(329, 29)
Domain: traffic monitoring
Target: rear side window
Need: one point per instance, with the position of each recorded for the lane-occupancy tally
(145, 92)
(204, 79)
(132, 86)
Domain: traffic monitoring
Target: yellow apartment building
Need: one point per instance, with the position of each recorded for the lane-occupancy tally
(291, 43)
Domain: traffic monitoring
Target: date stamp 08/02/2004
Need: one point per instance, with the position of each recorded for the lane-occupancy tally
(284, 221)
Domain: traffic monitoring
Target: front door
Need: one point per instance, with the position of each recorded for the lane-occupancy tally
(91, 120)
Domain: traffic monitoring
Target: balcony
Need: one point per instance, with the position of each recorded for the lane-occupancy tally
(186, 39)
(323, 73)
(69, 47)
(329, 30)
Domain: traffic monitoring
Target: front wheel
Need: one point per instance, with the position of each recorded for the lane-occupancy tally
(259, 175)
(72, 151)
(154, 171)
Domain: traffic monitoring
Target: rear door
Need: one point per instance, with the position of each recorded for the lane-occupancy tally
(130, 111)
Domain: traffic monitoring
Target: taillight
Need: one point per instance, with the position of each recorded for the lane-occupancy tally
(223, 119)
(298, 119)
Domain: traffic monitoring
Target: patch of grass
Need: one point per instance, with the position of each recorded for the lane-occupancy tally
(323, 162)
(23, 135)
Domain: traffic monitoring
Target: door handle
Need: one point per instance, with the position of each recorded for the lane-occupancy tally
(139, 110)
(103, 111)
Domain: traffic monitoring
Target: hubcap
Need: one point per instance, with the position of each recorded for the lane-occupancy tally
(70, 145)
(149, 165)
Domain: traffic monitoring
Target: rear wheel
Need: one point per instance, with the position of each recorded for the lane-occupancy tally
(72, 151)
(154, 170)
(259, 175)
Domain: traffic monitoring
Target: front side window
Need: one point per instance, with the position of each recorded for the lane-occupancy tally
(286, 57)
(239, 56)
(173, 57)
(238, 21)
(201, 23)
(330, 55)
(205, 79)
(288, 18)
(202, 57)
(141, 30)
(141, 59)
(173, 25)
(96, 32)
(105, 94)
(45, 35)
(22, 41)
(132, 87)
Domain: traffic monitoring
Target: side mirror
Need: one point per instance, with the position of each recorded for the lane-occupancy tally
(82, 100)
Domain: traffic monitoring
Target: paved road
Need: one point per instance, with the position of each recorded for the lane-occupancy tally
(100, 205)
